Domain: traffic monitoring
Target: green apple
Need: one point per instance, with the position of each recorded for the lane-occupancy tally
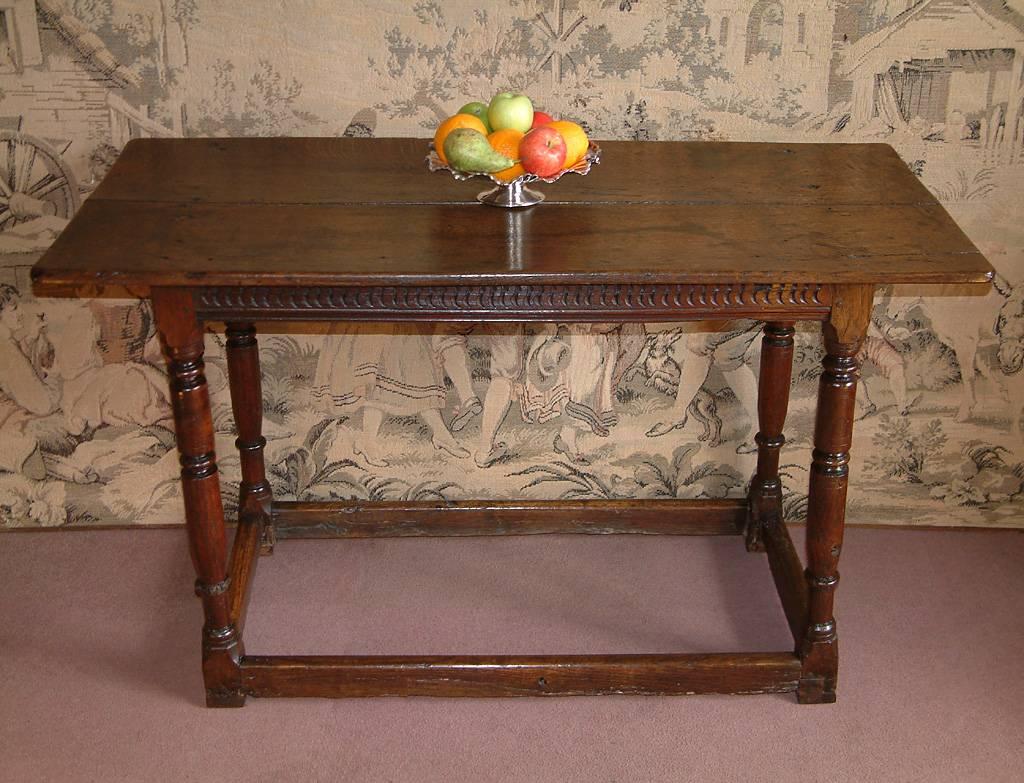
(509, 110)
(479, 110)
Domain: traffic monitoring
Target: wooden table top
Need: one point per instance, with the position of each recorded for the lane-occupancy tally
(328, 211)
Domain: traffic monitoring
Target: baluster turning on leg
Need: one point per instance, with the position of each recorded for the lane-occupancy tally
(247, 403)
(182, 337)
(772, 405)
(844, 332)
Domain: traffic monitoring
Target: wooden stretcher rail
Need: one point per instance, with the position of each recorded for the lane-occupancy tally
(356, 519)
(244, 554)
(510, 675)
(788, 573)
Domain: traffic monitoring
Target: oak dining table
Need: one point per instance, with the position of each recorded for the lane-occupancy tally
(254, 230)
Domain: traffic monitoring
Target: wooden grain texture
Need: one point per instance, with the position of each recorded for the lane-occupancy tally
(358, 519)
(511, 675)
(392, 171)
(224, 245)
(321, 212)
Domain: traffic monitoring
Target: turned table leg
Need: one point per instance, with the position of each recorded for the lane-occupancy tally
(182, 336)
(844, 332)
(247, 403)
(772, 403)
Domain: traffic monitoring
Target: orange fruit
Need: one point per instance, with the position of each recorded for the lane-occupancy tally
(506, 142)
(576, 141)
(509, 174)
(457, 121)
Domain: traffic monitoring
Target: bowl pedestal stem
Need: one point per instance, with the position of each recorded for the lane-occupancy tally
(514, 194)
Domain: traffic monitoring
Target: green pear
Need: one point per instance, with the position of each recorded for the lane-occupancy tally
(468, 150)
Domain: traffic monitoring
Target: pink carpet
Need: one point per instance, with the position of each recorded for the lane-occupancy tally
(99, 666)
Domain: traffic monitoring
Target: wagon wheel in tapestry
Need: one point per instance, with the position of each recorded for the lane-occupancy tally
(34, 180)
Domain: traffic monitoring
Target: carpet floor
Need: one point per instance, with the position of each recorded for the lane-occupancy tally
(100, 681)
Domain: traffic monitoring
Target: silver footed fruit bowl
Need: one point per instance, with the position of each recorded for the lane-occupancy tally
(515, 193)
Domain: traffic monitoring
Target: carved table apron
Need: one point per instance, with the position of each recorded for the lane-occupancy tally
(249, 230)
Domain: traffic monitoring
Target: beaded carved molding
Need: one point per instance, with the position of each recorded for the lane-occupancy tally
(587, 302)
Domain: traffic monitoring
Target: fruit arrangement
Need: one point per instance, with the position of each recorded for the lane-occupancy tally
(511, 143)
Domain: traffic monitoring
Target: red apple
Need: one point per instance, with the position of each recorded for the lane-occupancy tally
(542, 151)
(541, 118)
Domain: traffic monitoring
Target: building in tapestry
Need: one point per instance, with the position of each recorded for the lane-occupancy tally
(950, 68)
(58, 82)
(63, 117)
(790, 37)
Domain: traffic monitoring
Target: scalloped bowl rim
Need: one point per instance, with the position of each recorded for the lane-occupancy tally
(582, 167)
